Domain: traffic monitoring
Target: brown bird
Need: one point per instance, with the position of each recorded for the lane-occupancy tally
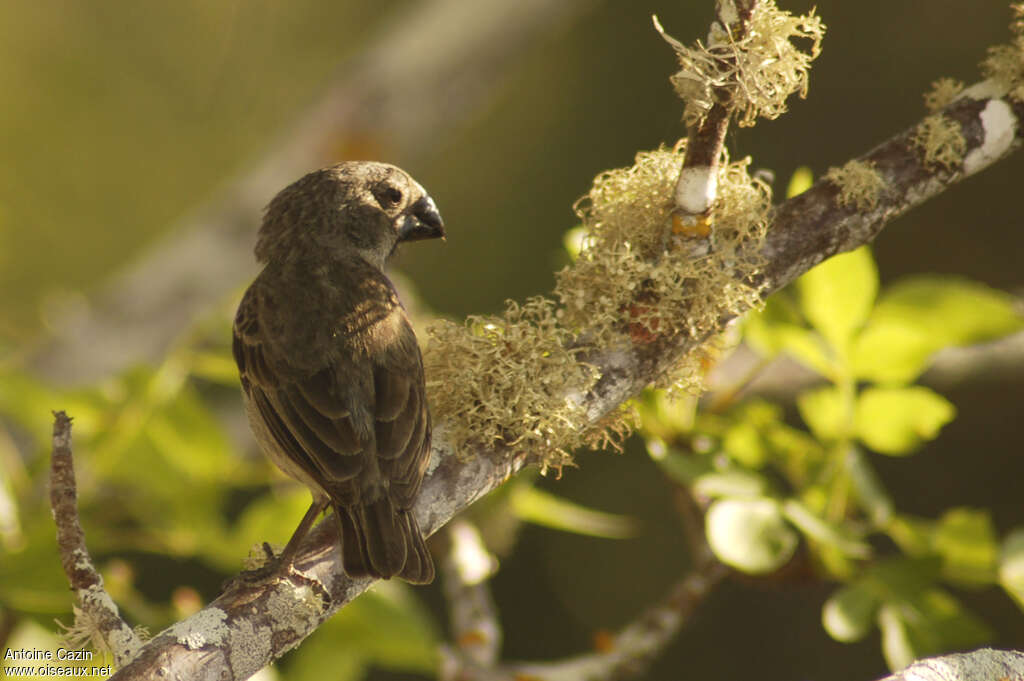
(331, 373)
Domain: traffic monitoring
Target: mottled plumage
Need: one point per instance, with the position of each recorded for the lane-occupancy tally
(330, 368)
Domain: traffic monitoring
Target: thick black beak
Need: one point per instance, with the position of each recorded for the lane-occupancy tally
(421, 222)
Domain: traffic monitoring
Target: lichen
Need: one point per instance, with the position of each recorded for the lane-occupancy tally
(761, 69)
(1005, 63)
(518, 378)
(859, 184)
(942, 94)
(940, 142)
(509, 379)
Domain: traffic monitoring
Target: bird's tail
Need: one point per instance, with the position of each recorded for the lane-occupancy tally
(379, 541)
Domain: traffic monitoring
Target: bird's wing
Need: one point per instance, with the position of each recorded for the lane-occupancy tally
(349, 418)
(401, 418)
(307, 419)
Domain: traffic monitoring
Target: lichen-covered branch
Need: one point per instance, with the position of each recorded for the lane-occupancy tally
(96, 612)
(985, 664)
(823, 221)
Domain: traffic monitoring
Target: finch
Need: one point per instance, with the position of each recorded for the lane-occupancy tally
(332, 376)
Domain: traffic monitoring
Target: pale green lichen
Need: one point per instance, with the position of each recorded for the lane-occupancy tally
(517, 378)
(1005, 63)
(859, 184)
(633, 272)
(942, 94)
(513, 379)
(761, 69)
(940, 142)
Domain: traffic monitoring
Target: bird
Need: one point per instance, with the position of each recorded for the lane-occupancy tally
(331, 372)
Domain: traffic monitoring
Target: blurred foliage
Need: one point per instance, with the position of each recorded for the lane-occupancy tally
(766, 484)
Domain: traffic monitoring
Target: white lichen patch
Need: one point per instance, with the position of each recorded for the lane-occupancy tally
(206, 627)
(1000, 129)
(859, 184)
(301, 605)
(250, 646)
(940, 142)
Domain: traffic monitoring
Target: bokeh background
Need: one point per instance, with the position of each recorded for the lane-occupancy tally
(123, 119)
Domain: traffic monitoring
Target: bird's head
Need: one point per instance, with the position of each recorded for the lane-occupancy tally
(360, 208)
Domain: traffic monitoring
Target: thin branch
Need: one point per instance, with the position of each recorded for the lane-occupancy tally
(96, 606)
(747, 373)
(697, 187)
(476, 629)
(635, 647)
(625, 655)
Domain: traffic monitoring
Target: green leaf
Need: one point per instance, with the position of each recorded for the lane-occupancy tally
(682, 468)
(902, 578)
(822, 411)
(950, 310)
(734, 483)
(743, 443)
(920, 315)
(929, 623)
(912, 535)
(750, 534)
(545, 509)
(778, 328)
(849, 614)
(966, 540)
(822, 531)
(801, 181)
(663, 416)
(891, 352)
(1011, 565)
(871, 493)
(896, 421)
(898, 647)
(836, 296)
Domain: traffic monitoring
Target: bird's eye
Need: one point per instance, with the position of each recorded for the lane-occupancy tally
(390, 197)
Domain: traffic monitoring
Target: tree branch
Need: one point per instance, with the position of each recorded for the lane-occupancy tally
(985, 664)
(96, 605)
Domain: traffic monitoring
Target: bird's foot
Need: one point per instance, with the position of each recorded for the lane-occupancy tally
(274, 568)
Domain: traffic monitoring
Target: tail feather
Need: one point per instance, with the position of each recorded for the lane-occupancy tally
(378, 541)
(353, 545)
(419, 567)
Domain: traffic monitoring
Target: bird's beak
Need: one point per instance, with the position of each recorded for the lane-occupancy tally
(421, 221)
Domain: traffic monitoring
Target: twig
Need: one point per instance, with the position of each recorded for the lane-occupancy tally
(697, 187)
(476, 629)
(96, 606)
